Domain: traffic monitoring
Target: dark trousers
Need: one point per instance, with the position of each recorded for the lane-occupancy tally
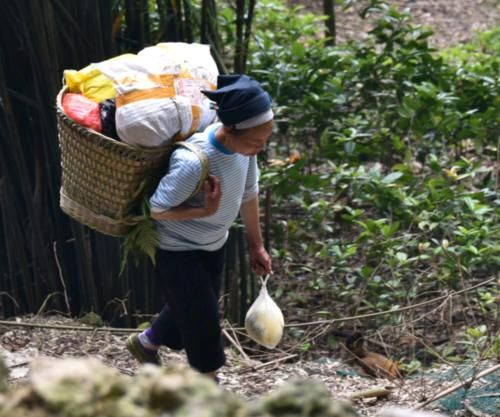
(191, 282)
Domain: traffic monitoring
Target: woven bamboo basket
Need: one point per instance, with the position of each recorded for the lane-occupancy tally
(104, 180)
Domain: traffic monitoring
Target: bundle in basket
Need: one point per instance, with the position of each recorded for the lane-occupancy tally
(104, 180)
(157, 101)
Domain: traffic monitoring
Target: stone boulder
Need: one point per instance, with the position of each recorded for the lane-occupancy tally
(87, 388)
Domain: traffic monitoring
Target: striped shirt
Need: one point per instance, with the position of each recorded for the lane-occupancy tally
(238, 176)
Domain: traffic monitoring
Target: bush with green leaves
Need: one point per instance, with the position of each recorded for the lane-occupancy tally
(396, 191)
(382, 231)
(380, 98)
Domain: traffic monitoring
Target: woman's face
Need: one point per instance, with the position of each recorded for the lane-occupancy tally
(249, 142)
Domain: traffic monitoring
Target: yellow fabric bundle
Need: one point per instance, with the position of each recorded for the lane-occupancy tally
(91, 82)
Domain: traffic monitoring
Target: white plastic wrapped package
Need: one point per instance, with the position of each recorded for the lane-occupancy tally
(196, 71)
(158, 99)
(192, 57)
(264, 321)
(153, 122)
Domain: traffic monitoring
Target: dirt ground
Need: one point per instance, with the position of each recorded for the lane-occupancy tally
(453, 21)
(249, 378)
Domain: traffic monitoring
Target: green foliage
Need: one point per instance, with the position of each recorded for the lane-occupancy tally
(283, 59)
(483, 49)
(399, 224)
(395, 193)
(142, 240)
(480, 344)
(382, 98)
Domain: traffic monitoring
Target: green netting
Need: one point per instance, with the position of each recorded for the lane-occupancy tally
(483, 395)
(346, 372)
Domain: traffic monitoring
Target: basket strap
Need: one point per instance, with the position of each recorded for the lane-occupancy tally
(196, 149)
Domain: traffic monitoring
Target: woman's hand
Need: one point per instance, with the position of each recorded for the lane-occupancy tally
(212, 190)
(213, 193)
(260, 261)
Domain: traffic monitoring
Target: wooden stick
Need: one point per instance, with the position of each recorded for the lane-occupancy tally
(236, 345)
(393, 311)
(457, 386)
(388, 312)
(339, 320)
(275, 361)
(473, 411)
(66, 327)
(61, 277)
(235, 336)
(373, 392)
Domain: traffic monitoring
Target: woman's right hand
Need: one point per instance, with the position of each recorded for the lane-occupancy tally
(212, 190)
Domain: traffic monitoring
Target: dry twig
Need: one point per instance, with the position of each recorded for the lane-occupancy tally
(377, 392)
(61, 277)
(235, 344)
(267, 364)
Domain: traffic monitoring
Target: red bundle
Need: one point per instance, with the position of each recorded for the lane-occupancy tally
(82, 110)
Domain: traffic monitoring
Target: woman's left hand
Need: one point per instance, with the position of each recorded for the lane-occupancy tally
(260, 261)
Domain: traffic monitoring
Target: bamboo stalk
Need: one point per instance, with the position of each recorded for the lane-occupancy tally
(267, 219)
(243, 282)
(173, 18)
(248, 31)
(234, 284)
(188, 22)
(330, 22)
(204, 22)
(239, 64)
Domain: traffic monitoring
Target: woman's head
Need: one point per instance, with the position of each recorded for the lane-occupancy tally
(244, 109)
(248, 141)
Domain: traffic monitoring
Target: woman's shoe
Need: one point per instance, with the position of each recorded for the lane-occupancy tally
(143, 355)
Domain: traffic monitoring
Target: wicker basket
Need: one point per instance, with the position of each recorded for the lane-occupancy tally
(104, 180)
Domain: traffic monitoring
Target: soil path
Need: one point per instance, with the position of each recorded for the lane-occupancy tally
(20, 346)
(453, 21)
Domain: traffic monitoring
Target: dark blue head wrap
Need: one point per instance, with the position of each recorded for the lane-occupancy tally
(238, 98)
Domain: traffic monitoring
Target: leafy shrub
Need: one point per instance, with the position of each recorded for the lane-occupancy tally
(395, 191)
(380, 98)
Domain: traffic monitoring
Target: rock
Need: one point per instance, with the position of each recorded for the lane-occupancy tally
(87, 388)
(182, 391)
(76, 387)
(92, 319)
(302, 398)
(4, 374)
(18, 361)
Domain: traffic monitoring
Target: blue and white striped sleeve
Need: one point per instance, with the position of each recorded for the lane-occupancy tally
(252, 183)
(179, 183)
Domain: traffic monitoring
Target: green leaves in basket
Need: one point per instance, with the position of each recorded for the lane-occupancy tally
(142, 240)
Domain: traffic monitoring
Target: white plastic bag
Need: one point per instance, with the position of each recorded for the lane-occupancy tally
(264, 321)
